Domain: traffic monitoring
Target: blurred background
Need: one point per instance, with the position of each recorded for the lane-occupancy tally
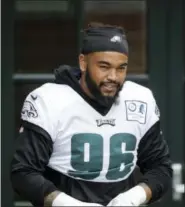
(40, 35)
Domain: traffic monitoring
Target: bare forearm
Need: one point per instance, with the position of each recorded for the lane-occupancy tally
(147, 190)
(48, 200)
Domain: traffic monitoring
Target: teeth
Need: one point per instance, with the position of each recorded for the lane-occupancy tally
(110, 86)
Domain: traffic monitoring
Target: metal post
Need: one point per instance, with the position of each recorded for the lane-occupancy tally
(7, 101)
(156, 57)
(80, 23)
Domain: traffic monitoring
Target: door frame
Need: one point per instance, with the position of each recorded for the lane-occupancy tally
(166, 70)
(7, 100)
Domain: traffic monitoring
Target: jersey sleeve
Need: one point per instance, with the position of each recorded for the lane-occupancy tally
(37, 110)
(153, 154)
(28, 165)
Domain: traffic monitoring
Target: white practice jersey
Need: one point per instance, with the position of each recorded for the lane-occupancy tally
(86, 144)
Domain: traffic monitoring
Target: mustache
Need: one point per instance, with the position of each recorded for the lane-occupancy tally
(111, 82)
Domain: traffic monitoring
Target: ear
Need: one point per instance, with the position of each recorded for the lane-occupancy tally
(82, 62)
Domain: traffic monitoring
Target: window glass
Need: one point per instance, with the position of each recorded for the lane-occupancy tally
(132, 16)
(45, 35)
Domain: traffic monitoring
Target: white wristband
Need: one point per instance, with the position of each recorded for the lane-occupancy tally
(63, 199)
(138, 195)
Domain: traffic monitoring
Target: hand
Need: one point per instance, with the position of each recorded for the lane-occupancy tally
(65, 200)
(121, 200)
(89, 204)
(133, 197)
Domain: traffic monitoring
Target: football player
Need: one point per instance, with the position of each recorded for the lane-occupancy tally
(83, 136)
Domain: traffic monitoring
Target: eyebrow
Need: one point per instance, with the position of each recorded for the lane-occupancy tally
(107, 63)
(104, 62)
(124, 64)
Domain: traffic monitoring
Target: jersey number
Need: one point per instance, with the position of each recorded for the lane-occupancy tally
(87, 155)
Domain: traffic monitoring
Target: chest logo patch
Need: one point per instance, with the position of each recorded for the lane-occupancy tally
(136, 111)
(101, 122)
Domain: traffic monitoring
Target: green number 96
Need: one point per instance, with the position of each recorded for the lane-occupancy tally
(88, 164)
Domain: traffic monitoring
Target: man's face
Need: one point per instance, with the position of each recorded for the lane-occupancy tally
(105, 73)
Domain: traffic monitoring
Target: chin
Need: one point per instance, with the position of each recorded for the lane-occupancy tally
(109, 95)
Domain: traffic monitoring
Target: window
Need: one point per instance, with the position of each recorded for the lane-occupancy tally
(132, 16)
(45, 35)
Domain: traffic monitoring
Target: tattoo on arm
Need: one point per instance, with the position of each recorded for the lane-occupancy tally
(48, 200)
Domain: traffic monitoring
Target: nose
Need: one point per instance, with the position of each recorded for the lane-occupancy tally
(112, 76)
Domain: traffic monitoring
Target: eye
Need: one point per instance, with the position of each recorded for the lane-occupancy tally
(122, 68)
(104, 67)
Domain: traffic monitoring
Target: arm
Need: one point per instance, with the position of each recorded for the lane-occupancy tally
(33, 149)
(147, 191)
(32, 154)
(154, 163)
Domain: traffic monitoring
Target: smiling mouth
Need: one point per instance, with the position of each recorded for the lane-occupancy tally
(110, 87)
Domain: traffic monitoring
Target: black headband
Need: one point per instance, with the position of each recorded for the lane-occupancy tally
(102, 39)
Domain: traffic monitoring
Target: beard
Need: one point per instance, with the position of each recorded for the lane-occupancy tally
(96, 92)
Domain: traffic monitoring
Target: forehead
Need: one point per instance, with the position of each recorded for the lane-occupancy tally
(113, 58)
